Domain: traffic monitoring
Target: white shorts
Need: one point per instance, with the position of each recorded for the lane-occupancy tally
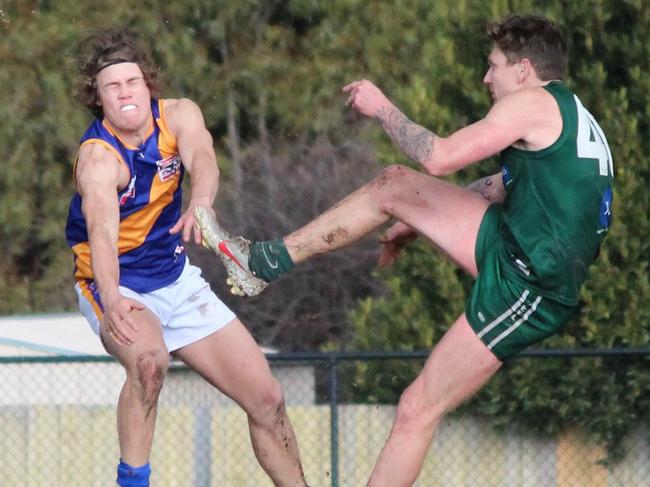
(188, 309)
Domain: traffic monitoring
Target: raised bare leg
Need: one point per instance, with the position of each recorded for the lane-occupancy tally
(447, 214)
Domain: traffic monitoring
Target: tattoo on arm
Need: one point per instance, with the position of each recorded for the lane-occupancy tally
(414, 140)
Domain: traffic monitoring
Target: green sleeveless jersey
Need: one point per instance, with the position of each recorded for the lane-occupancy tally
(558, 202)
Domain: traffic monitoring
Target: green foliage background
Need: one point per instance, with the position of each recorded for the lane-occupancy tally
(275, 69)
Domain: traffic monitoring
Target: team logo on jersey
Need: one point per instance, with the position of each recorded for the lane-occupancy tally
(169, 167)
(505, 174)
(605, 213)
(129, 193)
(178, 251)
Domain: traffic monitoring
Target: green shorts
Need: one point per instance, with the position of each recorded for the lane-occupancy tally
(508, 314)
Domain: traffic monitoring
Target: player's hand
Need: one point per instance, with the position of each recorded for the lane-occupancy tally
(187, 222)
(397, 237)
(118, 319)
(366, 98)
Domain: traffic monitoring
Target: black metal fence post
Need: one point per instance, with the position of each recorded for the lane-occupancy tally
(334, 420)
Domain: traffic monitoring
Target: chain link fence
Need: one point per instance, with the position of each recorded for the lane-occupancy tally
(57, 417)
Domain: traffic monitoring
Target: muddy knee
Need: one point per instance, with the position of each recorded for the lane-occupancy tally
(391, 185)
(269, 406)
(393, 175)
(151, 368)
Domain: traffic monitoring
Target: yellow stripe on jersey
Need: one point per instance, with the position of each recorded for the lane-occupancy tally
(167, 140)
(135, 228)
(82, 261)
(87, 293)
(106, 146)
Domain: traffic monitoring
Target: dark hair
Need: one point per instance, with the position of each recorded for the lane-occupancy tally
(535, 38)
(103, 48)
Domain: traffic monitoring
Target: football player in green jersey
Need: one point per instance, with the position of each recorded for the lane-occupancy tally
(527, 234)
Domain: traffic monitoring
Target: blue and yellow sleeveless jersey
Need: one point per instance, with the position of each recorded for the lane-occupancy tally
(149, 256)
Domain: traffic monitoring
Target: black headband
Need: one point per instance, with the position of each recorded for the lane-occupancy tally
(111, 63)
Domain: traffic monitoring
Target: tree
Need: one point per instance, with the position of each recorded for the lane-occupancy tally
(268, 75)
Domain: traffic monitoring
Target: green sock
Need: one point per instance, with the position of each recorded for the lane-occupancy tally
(270, 259)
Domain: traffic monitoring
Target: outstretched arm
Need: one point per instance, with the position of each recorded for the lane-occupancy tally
(185, 120)
(415, 141)
(508, 122)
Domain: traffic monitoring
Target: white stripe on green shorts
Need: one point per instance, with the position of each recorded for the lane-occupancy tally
(505, 315)
(516, 324)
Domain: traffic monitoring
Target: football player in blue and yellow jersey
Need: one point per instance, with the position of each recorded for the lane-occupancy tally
(135, 284)
(527, 234)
